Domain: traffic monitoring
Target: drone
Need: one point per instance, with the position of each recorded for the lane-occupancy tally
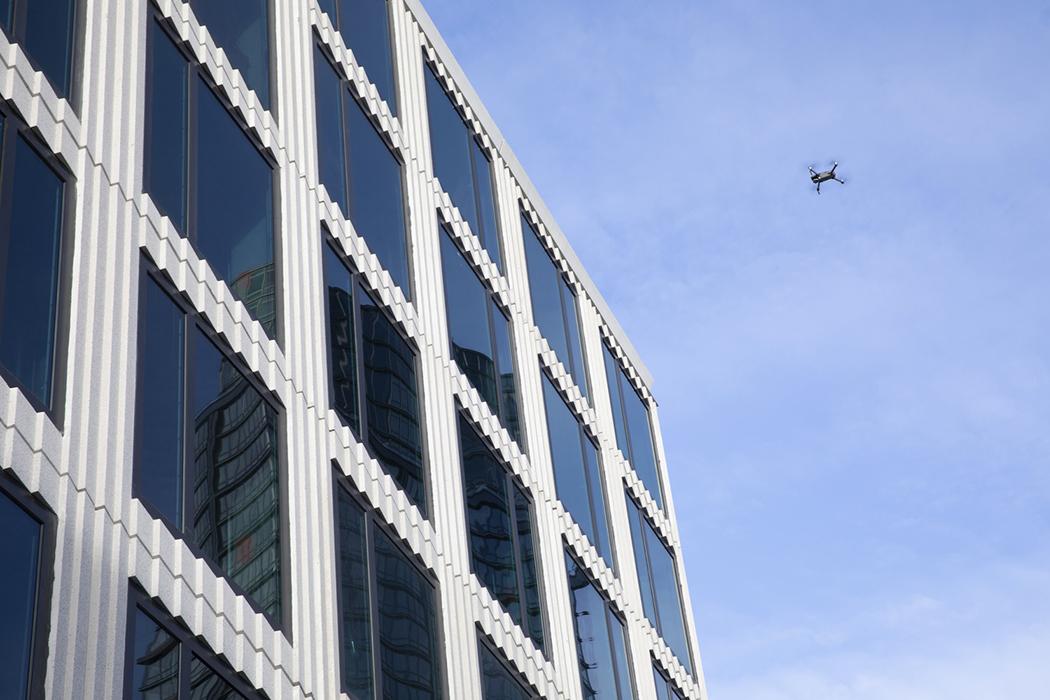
(822, 177)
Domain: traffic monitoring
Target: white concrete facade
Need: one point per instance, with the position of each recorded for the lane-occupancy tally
(81, 464)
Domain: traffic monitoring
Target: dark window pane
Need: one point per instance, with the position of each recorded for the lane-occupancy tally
(235, 209)
(408, 627)
(661, 685)
(668, 599)
(618, 637)
(612, 378)
(377, 204)
(235, 477)
(391, 391)
(159, 425)
(597, 489)
(242, 29)
(155, 655)
(642, 456)
(30, 276)
(572, 322)
(355, 626)
(365, 26)
(496, 681)
(206, 684)
(342, 339)
(331, 153)
(166, 130)
(20, 554)
(328, 6)
(5, 15)
(49, 40)
(450, 150)
(593, 649)
(508, 411)
(545, 291)
(489, 520)
(641, 562)
(489, 232)
(529, 565)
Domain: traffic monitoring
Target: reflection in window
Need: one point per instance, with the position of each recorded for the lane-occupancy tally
(463, 167)
(577, 475)
(365, 26)
(212, 181)
(207, 449)
(372, 374)
(554, 306)
(360, 171)
(658, 580)
(665, 690)
(601, 647)
(44, 28)
(480, 335)
(497, 681)
(634, 435)
(165, 663)
(31, 231)
(21, 616)
(499, 519)
(404, 631)
(242, 30)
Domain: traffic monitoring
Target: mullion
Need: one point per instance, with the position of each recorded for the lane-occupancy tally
(590, 484)
(611, 619)
(7, 186)
(494, 349)
(188, 443)
(19, 12)
(344, 120)
(359, 359)
(185, 664)
(373, 599)
(480, 233)
(193, 87)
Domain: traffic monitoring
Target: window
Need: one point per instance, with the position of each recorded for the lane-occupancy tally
(25, 590)
(35, 202)
(634, 434)
(554, 306)
(242, 30)
(360, 170)
(205, 173)
(44, 28)
(577, 475)
(658, 580)
(206, 447)
(374, 381)
(463, 167)
(665, 690)
(365, 26)
(500, 525)
(165, 661)
(498, 681)
(480, 335)
(388, 615)
(601, 639)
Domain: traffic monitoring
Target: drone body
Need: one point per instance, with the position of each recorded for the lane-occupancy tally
(822, 177)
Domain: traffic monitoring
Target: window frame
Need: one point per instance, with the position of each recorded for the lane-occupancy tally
(374, 520)
(357, 281)
(493, 306)
(16, 127)
(76, 63)
(201, 71)
(190, 645)
(392, 42)
(514, 485)
(488, 644)
(193, 319)
(38, 510)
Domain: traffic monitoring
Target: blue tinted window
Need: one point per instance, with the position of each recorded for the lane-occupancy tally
(489, 228)
(508, 387)
(30, 243)
(331, 147)
(20, 553)
(159, 429)
(612, 378)
(572, 323)
(155, 658)
(391, 391)
(600, 649)
(497, 683)
(618, 635)
(5, 15)
(206, 684)
(408, 626)
(47, 34)
(167, 115)
(377, 204)
(355, 607)
(242, 30)
(342, 338)
(365, 26)
(631, 418)
(529, 568)
(661, 685)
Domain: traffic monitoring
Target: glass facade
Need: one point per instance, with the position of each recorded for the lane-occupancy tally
(242, 30)
(32, 212)
(601, 644)
(365, 27)
(480, 335)
(45, 30)
(207, 441)
(665, 690)
(658, 579)
(499, 522)
(360, 171)
(577, 473)
(497, 681)
(554, 306)
(389, 624)
(634, 433)
(463, 167)
(373, 379)
(211, 180)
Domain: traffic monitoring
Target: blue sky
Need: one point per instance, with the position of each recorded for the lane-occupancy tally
(855, 387)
